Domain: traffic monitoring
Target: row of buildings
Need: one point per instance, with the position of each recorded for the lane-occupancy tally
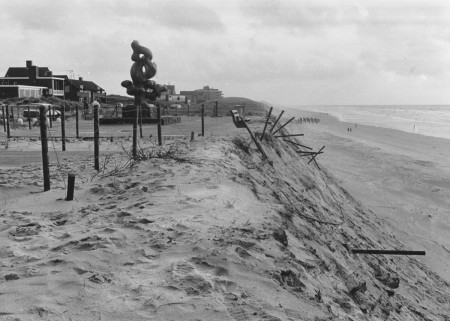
(34, 82)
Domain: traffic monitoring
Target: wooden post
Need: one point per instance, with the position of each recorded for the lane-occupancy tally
(189, 106)
(286, 140)
(50, 114)
(12, 114)
(293, 135)
(76, 122)
(267, 121)
(63, 128)
(70, 187)
(140, 120)
(283, 125)
(256, 142)
(314, 157)
(158, 116)
(276, 122)
(44, 145)
(3, 115)
(135, 125)
(96, 137)
(387, 252)
(192, 136)
(8, 129)
(203, 120)
(29, 118)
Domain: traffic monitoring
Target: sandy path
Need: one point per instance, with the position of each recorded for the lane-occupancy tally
(403, 178)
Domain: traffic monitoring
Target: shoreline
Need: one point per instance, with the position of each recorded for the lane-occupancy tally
(415, 126)
(402, 177)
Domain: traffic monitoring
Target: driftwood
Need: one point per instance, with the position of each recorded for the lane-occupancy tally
(387, 252)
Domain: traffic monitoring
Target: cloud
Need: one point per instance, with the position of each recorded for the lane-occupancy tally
(42, 15)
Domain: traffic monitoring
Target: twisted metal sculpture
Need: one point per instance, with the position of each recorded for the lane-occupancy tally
(142, 70)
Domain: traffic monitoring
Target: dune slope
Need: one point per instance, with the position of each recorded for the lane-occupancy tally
(222, 235)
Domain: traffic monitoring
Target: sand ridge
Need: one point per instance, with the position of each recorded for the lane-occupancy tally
(224, 237)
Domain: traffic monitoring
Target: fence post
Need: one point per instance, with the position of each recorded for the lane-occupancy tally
(29, 118)
(192, 136)
(63, 128)
(267, 121)
(135, 124)
(70, 187)
(96, 136)
(189, 107)
(8, 129)
(140, 121)
(3, 116)
(44, 145)
(76, 122)
(158, 116)
(12, 114)
(276, 122)
(203, 120)
(50, 114)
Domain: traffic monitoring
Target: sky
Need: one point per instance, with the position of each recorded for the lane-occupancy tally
(282, 52)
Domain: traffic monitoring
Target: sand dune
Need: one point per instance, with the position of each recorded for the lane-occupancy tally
(221, 236)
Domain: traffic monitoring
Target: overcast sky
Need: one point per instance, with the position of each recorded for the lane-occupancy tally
(284, 52)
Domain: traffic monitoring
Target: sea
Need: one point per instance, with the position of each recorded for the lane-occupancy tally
(429, 120)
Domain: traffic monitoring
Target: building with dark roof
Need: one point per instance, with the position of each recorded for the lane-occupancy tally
(33, 81)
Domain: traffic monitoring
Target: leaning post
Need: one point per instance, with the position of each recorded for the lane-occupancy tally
(276, 122)
(267, 121)
(44, 145)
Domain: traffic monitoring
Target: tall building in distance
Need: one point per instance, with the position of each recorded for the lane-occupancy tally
(202, 95)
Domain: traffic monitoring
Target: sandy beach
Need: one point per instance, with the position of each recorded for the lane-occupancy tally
(214, 232)
(402, 177)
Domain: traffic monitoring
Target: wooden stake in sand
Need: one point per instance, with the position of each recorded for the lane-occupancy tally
(293, 135)
(63, 128)
(203, 120)
(283, 125)
(44, 146)
(267, 121)
(276, 122)
(3, 116)
(70, 187)
(298, 144)
(135, 125)
(140, 120)
(8, 130)
(77, 122)
(29, 118)
(314, 157)
(239, 122)
(158, 116)
(95, 104)
(387, 252)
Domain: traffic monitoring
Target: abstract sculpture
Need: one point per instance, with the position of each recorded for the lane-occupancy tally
(142, 70)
